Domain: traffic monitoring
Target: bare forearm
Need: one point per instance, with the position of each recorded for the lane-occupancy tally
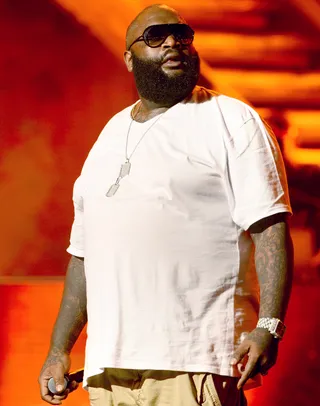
(72, 315)
(274, 266)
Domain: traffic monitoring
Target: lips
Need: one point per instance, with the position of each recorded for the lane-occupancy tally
(173, 59)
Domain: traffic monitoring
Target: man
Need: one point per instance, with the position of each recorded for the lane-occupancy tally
(180, 195)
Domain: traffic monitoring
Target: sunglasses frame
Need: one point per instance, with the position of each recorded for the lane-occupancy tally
(143, 37)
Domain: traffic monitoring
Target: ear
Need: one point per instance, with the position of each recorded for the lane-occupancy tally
(127, 56)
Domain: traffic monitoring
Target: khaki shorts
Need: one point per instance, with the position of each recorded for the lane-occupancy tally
(127, 387)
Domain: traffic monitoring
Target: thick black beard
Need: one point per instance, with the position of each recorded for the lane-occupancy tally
(153, 84)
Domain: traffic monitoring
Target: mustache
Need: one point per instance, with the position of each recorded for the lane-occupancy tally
(175, 54)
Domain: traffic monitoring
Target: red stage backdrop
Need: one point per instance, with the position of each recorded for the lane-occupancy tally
(58, 87)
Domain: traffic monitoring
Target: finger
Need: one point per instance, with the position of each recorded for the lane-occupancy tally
(266, 364)
(55, 402)
(239, 354)
(58, 377)
(43, 383)
(263, 360)
(44, 391)
(241, 367)
(248, 372)
(51, 400)
(62, 396)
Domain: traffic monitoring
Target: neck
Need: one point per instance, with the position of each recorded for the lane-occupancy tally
(146, 109)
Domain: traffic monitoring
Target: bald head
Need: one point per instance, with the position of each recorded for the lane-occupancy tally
(154, 14)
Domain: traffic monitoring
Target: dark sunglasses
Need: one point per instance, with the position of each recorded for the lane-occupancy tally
(155, 35)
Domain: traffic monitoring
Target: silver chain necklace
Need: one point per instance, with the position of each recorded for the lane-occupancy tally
(125, 168)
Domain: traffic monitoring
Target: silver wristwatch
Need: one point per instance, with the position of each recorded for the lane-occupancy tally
(273, 325)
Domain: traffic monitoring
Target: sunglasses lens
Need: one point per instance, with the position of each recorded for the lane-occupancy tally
(183, 33)
(157, 34)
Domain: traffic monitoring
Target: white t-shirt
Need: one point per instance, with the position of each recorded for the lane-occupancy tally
(168, 261)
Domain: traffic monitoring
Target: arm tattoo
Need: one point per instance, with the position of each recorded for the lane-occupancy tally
(72, 315)
(274, 264)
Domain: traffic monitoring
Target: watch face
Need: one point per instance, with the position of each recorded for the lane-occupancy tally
(279, 328)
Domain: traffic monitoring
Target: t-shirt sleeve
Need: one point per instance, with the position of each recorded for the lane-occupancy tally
(255, 173)
(76, 246)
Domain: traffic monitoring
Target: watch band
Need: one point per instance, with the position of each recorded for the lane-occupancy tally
(275, 326)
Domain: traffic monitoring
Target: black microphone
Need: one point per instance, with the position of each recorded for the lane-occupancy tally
(73, 376)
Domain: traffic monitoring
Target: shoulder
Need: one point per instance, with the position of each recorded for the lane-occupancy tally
(118, 118)
(244, 128)
(230, 108)
(243, 123)
(235, 111)
(113, 127)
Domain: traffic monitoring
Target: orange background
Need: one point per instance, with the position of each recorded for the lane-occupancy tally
(59, 86)
(61, 79)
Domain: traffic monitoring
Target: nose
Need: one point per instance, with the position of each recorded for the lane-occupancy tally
(171, 42)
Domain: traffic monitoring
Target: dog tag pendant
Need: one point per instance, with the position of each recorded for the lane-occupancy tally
(125, 169)
(112, 190)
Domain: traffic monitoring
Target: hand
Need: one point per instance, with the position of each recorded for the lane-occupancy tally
(55, 366)
(260, 349)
